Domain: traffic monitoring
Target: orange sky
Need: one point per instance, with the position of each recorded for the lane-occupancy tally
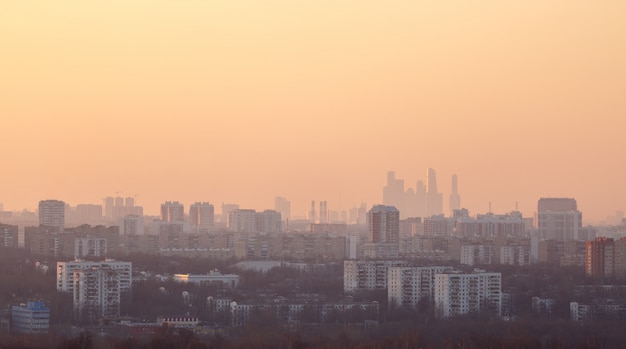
(240, 101)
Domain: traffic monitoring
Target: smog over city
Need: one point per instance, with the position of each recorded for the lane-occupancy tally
(292, 174)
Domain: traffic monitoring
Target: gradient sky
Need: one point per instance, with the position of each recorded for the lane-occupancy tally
(240, 101)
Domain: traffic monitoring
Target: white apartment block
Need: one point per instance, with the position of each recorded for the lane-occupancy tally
(96, 293)
(367, 275)
(65, 273)
(406, 286)
(459, 294)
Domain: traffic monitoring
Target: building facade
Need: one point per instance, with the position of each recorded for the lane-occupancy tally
(52, 213)
(459, 294)
(32, 318)
(8, 235)
(201, 217)
(558, 219)
(96, 293)
(362, 275)
(407, 286)
(65, 273)
(172, 211)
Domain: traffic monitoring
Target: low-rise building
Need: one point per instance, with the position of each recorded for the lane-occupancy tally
(213, 277)
(32, 317)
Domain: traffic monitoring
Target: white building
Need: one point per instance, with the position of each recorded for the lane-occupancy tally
(214, 276)
(367, 275)
(97, 293)
(459, 294)
(408, 285)
(65, 273)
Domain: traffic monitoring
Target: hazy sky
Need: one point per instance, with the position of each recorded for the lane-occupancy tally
(240, 101)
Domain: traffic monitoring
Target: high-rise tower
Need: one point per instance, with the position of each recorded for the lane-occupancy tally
(312, 217)
(434, 199)
(323, 212)
(393, 192)
(384, 224)
(455, 198)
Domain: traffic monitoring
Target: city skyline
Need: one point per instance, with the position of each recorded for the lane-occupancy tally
(336, 206)
(242, 102)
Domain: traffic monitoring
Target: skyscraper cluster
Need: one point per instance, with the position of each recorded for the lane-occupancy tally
(118, 207)
(423, 201)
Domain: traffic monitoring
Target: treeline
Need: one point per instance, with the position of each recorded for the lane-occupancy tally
(457, 333)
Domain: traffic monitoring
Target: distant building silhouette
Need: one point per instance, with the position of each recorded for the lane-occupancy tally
(283, 206)
(420, 199)
(323, 212)
(455, 198)
(52, 213)
(434, 199)
(393, 192)
(312, 216)
(108, 207)
(250, 221)
(226, 210)
(118, 207)
(172, 212)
